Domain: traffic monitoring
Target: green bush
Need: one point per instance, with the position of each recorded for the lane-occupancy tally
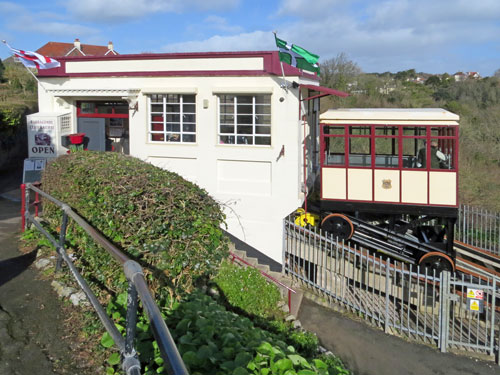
(169, 225)
(248, 290)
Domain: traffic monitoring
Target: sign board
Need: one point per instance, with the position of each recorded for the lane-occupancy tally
(476, 305)
(32, 170)
(475, 293)
(42, 136)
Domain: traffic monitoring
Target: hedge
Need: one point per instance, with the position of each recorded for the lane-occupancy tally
(169, 225)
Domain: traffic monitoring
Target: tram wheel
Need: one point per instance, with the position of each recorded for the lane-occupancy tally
(437, 261)
(338, 225)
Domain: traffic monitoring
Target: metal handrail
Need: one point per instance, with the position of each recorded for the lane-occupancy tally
(137, 288)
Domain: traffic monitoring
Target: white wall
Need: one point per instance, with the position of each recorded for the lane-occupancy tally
(256, 189)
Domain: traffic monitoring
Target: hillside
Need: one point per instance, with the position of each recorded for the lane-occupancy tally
(477, 101)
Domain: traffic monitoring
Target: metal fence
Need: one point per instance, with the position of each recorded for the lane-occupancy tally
(400, 298)
(137, 288)
(478, 227)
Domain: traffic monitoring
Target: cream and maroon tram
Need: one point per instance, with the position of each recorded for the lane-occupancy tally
(389, 181)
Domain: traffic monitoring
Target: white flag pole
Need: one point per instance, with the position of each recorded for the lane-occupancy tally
(284, 85)
(30, 72)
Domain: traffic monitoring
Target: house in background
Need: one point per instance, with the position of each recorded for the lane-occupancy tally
(58, 49)
(236, 123)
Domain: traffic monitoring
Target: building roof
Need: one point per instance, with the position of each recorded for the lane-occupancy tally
(58, 49)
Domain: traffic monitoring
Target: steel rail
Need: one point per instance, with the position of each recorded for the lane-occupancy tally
(168, 349)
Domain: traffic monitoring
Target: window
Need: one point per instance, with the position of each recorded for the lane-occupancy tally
(245, 119)
(173, 118)
(414, 141)
(386, 147)
(334, 145)
(359, 146)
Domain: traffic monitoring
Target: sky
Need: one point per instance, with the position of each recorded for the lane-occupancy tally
(432, 36)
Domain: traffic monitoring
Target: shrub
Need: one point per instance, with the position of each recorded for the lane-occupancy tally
(248, 290)
(169, 225)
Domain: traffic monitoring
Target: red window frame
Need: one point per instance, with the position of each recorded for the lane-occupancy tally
(113, 114)
(453, 129)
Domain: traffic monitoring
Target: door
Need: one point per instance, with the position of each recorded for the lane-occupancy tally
(95, 133)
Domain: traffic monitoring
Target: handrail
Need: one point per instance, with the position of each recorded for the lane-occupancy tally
(137, 287)
(266, 275)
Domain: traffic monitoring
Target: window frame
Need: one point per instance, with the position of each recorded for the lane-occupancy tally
(164, 114)
(448, 133)
(235, 105)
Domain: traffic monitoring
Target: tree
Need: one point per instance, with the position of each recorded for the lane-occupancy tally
(2, 68)
(497, 73)
(339, 71)
(433, 81)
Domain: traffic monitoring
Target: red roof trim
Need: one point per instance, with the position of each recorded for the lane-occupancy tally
(324, 91)
(271, 65)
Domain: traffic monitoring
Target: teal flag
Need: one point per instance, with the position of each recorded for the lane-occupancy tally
(297, 56)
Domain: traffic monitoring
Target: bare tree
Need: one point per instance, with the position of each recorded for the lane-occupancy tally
(339, 71)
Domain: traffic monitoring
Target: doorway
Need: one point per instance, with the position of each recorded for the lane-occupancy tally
(105, 124)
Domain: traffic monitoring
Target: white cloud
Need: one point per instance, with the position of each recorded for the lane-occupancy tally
(220, 24)
(22, 19)
(122, 10)
(255, 41)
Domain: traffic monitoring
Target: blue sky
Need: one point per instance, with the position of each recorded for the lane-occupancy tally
(433, 36)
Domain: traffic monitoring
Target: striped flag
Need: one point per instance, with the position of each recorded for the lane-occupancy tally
(34, 60)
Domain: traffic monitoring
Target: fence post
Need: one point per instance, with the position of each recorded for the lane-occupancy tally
(444, 310)
(62, 240)
(387, 294)
(23, 207)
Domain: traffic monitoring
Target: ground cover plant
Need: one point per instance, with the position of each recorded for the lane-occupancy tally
(172, 228)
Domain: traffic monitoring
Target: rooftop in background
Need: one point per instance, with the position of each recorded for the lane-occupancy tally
(58, 49)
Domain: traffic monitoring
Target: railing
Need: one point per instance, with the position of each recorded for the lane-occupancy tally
(137, 287)
(267, 276)
(400, 298)
(479, 227)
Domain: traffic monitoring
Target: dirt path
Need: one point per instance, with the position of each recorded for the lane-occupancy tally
(367, 351)
(31, 318)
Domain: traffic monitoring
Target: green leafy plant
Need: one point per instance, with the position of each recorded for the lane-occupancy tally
(248, 290)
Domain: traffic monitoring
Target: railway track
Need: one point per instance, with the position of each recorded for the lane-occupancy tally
(477, 262)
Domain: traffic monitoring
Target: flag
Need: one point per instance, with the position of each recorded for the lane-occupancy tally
(34, 60)
(297, 56)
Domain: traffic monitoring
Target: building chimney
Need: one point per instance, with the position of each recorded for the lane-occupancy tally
(77, 44)
(110, 46)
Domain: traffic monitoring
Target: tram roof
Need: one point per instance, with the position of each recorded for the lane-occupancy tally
(390, 116)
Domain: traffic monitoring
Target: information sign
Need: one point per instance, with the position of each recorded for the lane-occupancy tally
(475, 293)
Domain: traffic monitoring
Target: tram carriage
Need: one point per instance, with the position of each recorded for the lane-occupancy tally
(389, 181)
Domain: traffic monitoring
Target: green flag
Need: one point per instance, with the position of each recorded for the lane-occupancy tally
(297, 56)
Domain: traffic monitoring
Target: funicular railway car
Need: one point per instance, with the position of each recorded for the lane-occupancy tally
(389, 181)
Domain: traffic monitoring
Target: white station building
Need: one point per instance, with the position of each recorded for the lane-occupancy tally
(238, 124)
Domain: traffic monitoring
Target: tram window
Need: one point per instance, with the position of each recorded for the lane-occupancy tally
(333, 130)
(386, 153)
(386, 130)
(359, 152)
(442, 131)
(335, 151)
(414, 131)
(359, 130)
(411, 147)
(442, 153)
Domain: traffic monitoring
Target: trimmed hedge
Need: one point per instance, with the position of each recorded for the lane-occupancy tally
(169, 225)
